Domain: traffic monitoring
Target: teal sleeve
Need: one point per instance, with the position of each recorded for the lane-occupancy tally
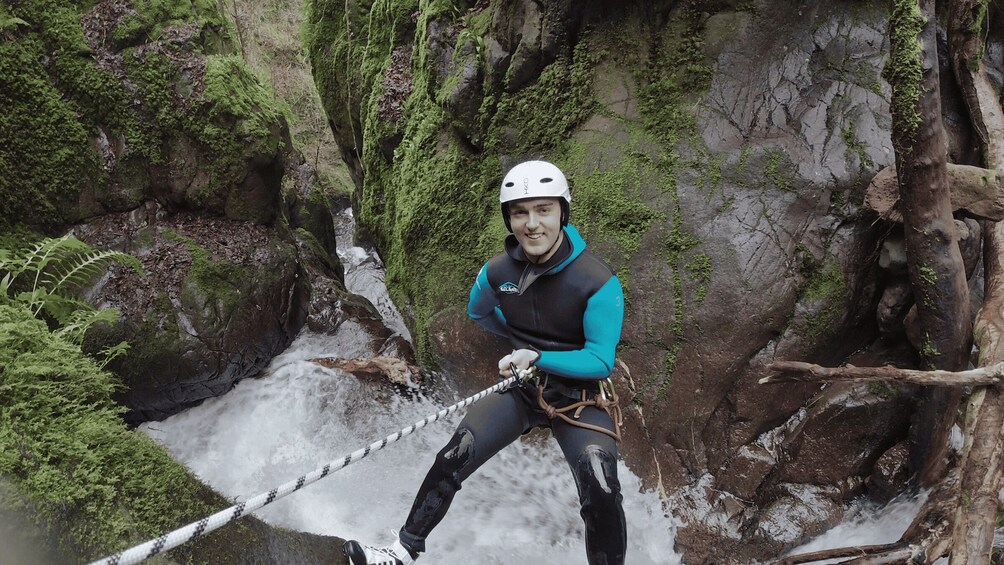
(602, 323)
(483, 306)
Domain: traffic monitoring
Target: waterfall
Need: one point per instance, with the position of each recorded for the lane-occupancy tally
(520, 506)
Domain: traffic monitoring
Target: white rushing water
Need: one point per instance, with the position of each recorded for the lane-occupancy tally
(364, 273)
(868, 523)
(521, 506)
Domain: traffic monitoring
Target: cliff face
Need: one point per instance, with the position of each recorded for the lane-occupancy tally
(718, 154)
(139, 127)
(134, 103)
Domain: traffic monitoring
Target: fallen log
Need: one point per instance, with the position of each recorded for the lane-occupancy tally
(797, 371)
(837, 553)
(392, 369)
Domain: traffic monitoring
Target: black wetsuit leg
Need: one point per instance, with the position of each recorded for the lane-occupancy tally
(491, 424)
(592, 457)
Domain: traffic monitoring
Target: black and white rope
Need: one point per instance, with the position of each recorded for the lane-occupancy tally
(204, 526)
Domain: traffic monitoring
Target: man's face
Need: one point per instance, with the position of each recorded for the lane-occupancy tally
(536, 223)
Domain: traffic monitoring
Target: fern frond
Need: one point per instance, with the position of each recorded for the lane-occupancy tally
(33, 299)
(78, 269)
(51, 250)
(58, 266)
(79, 321)
(62, 307)
(5, 288)
(11, 22)
(111, 352)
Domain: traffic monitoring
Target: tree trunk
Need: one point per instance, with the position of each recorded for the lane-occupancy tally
(983, 454)
(937, 275)
(965, 43)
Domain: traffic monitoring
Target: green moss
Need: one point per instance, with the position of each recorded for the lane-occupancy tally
(855, 147)
(882, 389)
(677, 71)
(58, 101)
(676, 246)
(664, 378)
(930, 351)
(929, 276)
(46, 157)
(63, 443)
(904, 71)
(232, 91)
(549, 109)
(607, 203)
(700, 270)
(778, 171)
(234, 118)
(218, 281)
(152, 17)
(976, 25)
(710, 178)
(827, 287)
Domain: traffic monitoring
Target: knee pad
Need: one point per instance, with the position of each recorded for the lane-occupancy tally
(596, 479)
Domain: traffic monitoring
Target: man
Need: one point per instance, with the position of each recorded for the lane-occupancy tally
(562, 309)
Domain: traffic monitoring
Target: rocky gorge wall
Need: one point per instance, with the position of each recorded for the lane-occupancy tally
(136, 126)
(718, 154)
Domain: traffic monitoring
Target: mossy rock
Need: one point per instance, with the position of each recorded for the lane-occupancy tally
(114, 105)
(76, 484)
(220, 298)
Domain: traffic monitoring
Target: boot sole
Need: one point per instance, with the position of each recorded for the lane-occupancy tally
(354, 551)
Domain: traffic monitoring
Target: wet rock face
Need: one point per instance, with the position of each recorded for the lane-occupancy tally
(220, 298)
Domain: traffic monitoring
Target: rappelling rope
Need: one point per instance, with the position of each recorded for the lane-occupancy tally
(204, 526)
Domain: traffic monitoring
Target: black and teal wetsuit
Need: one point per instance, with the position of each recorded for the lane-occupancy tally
(571, 310)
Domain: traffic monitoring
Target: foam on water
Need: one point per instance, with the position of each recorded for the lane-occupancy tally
(867, 523)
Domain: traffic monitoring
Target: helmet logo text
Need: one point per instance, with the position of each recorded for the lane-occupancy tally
(526, 185)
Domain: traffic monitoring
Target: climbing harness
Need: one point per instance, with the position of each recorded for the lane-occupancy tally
(204, 526)
(606, 399)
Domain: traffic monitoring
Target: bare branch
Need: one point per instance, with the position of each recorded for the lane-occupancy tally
(797, 371)
(854, 551)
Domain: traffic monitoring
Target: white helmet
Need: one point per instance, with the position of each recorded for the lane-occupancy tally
(534, 179)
